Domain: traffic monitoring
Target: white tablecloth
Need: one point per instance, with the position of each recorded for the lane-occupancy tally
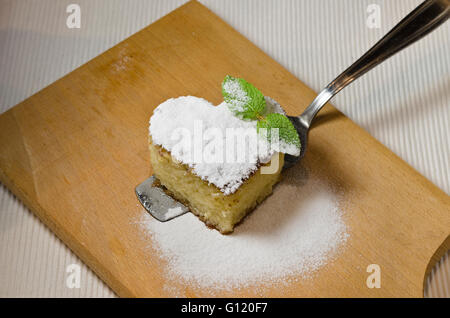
(404, 103)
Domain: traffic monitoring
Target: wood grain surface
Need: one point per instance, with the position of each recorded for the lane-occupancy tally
(74, 152)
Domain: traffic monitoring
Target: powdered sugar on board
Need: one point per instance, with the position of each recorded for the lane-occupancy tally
(293, 233)
(217, 145)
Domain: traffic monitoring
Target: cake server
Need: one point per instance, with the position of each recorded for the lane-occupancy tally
(421, 21)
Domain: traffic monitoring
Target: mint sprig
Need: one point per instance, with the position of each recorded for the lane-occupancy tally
(286, 131)
(247, 102)
(243, 99)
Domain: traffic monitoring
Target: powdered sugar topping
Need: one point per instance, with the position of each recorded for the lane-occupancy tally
(240, 96)
(293, 233)
(219, 147)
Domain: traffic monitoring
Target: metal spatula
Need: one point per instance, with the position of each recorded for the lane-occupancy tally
(160, 205)
(421, 21)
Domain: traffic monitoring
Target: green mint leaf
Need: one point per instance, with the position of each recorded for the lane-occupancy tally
(289, 139)
(242, 98)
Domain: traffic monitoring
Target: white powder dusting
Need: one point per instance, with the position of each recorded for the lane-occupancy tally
(241, 98)
(198, 134)
(121, 63)
(291, 234)
(173, 212)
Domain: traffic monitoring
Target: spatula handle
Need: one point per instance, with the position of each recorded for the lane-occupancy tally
(424, 19)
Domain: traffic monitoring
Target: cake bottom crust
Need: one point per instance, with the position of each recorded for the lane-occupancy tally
(206, 201)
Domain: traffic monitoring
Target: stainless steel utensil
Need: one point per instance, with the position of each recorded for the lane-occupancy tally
(421, 21)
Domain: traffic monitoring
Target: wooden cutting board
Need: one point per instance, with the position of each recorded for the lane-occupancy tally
(74, 152)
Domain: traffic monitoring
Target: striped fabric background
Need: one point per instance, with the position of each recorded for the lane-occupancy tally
(404, 103)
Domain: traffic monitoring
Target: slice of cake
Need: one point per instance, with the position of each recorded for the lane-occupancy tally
(206, 200)
(211, 160)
